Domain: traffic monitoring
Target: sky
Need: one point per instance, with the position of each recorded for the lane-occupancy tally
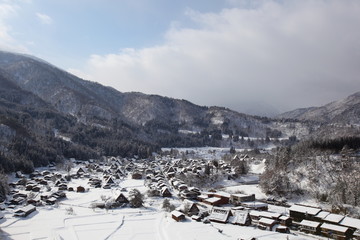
(254, 56)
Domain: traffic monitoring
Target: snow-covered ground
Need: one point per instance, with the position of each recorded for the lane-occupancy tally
(74, 218)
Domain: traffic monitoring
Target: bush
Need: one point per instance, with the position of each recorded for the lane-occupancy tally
(167, 206)
(136, 198)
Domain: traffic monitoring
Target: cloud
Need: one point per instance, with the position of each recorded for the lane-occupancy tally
(7, 42)
(286, 54)
(44, 19)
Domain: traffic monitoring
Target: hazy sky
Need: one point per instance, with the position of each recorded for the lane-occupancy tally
(247, 55)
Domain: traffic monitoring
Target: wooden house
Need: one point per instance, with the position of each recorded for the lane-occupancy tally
(237, 199)
(25, 211)
(335, 231)
(224, 197)
(177, 216)
(266, 223)
(51, 201)
(241, 218)
(136, 175)
(165, 192)
(80, 189)
(299, 212)
(285, 221)
(190, 194)
(321, 216)
(121, 199)
(282, 229)
(220, 215)
(213, 201)
(353, 224)
(255, 205)
(333, 218)
(189, 207)
(110, 181)
(80, 171)
(310, 226)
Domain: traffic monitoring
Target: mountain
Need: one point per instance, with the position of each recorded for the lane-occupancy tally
(47, 114)
(345, 111)
(92, 103)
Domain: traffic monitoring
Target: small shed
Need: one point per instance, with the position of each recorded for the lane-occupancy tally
(285, 221)
(177, 216)
(80, 189)
(282, 229)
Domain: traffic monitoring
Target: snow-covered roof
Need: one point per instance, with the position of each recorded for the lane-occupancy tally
(267, 221)
(334, 227)
(308, 223)
(335, 218)
(219, 214)
(269, 214)
(351, 222)
(239, 217)
(177, 213)
(255, 204)
(222, 194)
(304, 209)
(212, 199)
(240, 195)
(284, 218)
(322, 214)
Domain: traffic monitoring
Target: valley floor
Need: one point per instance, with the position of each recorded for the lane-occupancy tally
(150, 222)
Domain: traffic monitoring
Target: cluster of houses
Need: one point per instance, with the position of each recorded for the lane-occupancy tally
(316, 221)
(307, 219)
(50, 186)
(41, 188)
(163, 178)
(244, 210)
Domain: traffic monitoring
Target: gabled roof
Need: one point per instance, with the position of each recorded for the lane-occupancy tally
(322, 214)
(219, 214)
(304, 209)
(308, 223)
(239, 217)
(177, 213)
(351, 222)
(334, 227)
(267, 221)
(334, 218)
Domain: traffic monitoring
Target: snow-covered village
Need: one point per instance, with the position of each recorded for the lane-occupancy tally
(181, 119)
(190, 193)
